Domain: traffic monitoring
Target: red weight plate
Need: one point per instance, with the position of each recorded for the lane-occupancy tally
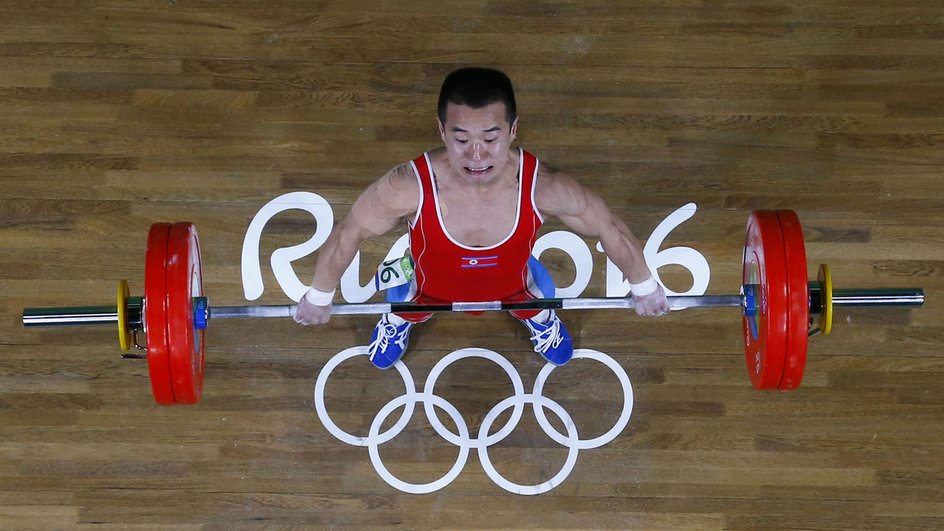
(184, 341)
(155, 313)
(765, 334)
(798, 299)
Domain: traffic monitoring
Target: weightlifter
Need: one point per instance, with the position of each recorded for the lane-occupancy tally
(473, 208)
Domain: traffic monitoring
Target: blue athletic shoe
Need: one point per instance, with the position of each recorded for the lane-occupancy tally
(388, 342)
(551, 339)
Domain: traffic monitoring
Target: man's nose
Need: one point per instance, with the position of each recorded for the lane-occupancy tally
(478, 150)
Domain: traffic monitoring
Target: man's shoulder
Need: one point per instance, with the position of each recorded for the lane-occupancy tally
(555, 190)
(401, 178)
(552, 179)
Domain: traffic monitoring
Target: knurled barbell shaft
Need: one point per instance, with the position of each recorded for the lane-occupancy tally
(90, 315)
(224, 312)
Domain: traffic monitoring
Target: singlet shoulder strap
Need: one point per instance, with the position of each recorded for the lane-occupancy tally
(423, 170)
(529, 180)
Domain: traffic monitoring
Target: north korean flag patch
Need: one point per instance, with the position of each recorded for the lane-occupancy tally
(471, 262)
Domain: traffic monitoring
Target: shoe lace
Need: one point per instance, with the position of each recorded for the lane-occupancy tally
(387, 332)
(548, 338)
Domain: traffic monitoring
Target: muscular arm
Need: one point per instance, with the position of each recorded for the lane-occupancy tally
(377, 210)
(584, 211)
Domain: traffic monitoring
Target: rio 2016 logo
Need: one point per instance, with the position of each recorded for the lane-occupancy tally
(353, 292)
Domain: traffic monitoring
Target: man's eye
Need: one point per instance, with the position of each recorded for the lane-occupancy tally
(461, 141)
(490, 140)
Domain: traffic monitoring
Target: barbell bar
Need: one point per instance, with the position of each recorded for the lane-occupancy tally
(779, 307)
(93, 315)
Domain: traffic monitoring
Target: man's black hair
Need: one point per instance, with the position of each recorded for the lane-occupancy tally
(477, 87)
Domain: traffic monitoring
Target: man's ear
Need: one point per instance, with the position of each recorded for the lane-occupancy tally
(514, 128)
(442, 129)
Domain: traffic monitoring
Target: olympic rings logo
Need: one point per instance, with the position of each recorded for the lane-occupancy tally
(463, 440)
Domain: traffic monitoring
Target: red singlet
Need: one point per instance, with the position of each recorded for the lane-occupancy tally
(446, 270)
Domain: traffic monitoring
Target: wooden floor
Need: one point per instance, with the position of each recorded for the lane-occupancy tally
(118, 114)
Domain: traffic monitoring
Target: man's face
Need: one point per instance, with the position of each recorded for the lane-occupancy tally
(477, 140)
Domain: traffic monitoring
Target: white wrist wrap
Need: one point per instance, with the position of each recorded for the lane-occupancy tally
(646, 287)
(318, 297)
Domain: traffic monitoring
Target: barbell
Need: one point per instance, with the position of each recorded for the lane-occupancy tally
(780, 308)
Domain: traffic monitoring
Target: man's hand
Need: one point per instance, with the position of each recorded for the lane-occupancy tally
(307, 313)
(649, 298)
(651, 305)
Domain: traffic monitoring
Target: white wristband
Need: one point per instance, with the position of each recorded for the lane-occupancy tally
(646, 287)
(318, 297)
